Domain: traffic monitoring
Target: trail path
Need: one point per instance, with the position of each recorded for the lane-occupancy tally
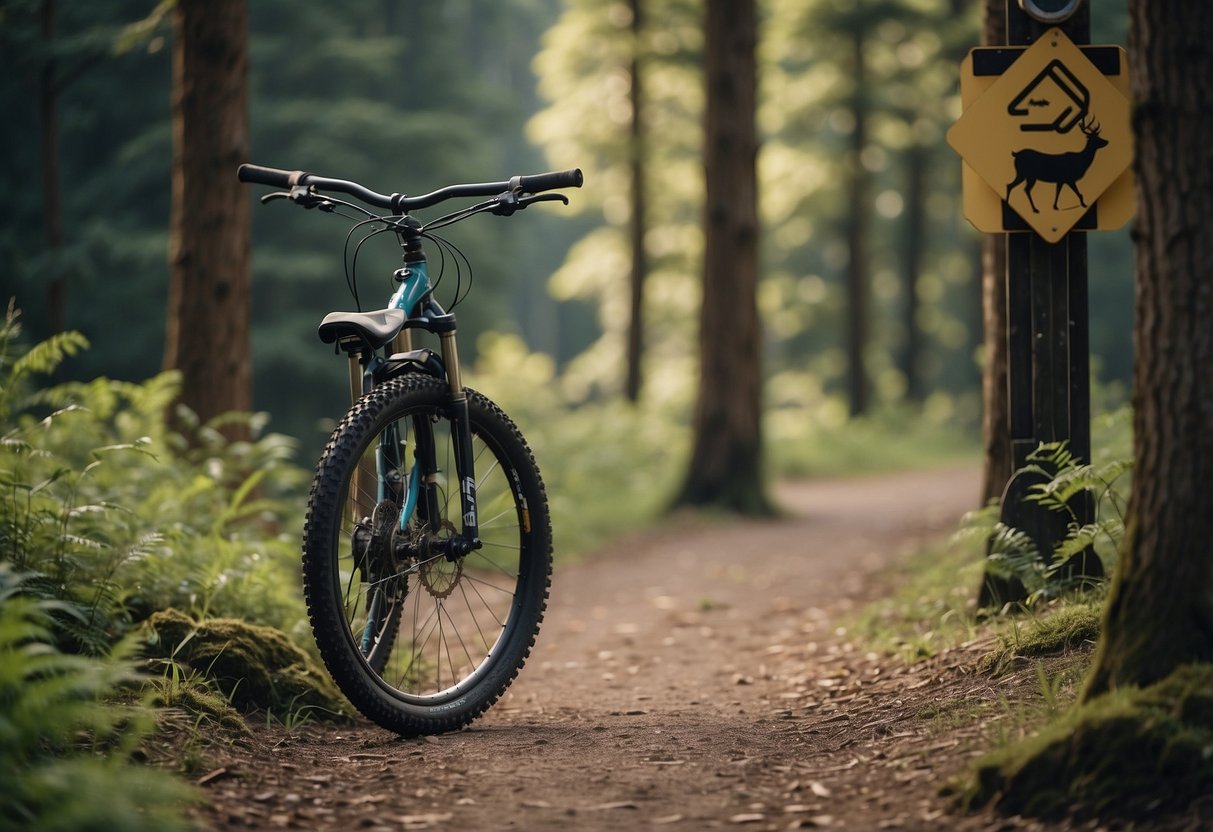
(687, 679)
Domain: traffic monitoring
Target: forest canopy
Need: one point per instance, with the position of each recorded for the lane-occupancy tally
(409, 97)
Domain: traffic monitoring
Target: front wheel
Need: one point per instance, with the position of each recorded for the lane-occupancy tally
(419, 639)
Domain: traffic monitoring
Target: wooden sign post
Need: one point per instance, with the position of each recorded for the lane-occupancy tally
(1047, 145)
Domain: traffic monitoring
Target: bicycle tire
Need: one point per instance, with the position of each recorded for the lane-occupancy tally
(393, 675)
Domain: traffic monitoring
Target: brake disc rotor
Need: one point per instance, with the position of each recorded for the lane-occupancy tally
(439, 575)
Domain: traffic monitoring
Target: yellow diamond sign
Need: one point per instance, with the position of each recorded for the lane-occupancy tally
(1049, 137)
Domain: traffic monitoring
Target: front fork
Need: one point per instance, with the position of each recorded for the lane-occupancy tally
(370, 479)
(462, 427)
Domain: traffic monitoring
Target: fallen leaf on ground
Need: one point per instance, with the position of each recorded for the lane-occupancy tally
(618, 804)
(748, 817)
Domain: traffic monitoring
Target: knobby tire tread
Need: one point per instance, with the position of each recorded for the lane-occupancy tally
(326, 608)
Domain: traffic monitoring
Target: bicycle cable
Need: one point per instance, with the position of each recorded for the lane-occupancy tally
(445, 246)
(393, 223)
(351, 267)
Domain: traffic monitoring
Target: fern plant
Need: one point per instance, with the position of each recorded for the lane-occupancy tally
(56, 711)
(110, 511)
(1012, 553)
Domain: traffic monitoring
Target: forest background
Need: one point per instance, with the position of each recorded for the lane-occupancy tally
(411, 96)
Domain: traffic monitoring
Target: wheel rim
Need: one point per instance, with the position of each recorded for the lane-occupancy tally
(430, 628)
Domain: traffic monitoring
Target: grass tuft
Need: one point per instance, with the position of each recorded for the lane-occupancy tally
(1067, 627)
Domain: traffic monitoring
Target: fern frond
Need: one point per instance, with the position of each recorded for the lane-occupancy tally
(1013, 554)
(1067, 483)
(45, 358)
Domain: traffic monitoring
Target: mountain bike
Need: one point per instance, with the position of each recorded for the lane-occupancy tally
(427, 544)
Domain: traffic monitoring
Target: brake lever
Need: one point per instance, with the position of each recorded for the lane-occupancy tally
(527, 200)
(511, 201)
(301, 195)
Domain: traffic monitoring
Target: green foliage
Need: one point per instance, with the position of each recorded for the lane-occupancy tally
(1134, 753)
(1068, 627)
(115, 515)
(608, 467)
(809, 434)
(611, 468)
(56, 712)
(1013, 553)
(807, 89)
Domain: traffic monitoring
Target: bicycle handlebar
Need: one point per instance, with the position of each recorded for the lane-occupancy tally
(535, 183)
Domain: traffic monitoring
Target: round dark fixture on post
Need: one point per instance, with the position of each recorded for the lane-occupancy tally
(1050, 11)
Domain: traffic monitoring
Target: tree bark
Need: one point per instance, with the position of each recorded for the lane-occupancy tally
(1160, 612)
(995, 422)
(996, 427)
(857, 229)
(999, 462)
(913, 245)
(726, 462)
(639, 258)
(209, 301)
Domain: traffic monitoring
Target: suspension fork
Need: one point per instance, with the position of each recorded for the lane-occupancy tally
(422, 491)
(462, 427)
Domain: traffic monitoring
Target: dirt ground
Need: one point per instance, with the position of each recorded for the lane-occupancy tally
(692, 678)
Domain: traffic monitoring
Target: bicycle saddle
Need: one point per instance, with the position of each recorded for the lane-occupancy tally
(371, 328)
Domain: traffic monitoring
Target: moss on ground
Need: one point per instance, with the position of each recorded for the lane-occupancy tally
(1065, 629)
(255, 667)
(198, 699)
(1128, 754)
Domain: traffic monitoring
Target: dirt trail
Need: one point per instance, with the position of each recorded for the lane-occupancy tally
(686, 679)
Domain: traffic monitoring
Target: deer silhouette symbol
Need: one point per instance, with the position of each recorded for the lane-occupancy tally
(1032, 166)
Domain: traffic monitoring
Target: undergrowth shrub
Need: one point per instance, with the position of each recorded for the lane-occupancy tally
(64, 743)
(112, 513)
(1012, 553)
(109, 516)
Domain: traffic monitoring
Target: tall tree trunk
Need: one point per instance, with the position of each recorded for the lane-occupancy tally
(52, 194)
(636, 150)
(857, 230)
(913, 244)
(726, 461)
(1160, 613)
(209, 301)
(999, 462)
(995, 421)
(996, 426)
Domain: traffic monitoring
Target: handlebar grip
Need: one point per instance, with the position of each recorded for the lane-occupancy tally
(269, 176)
(548, 181)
